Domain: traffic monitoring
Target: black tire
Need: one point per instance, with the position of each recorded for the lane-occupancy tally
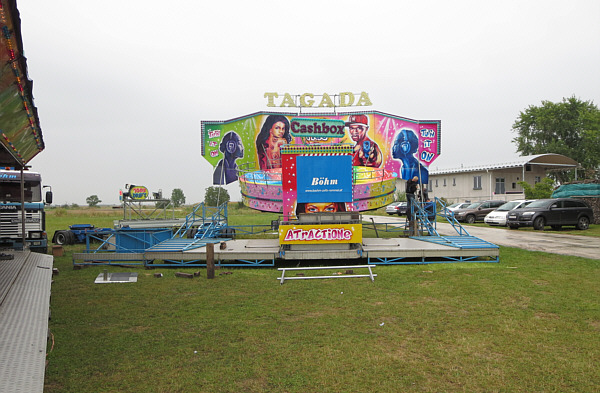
(61, 238)
(513, 226)
(470, 219)
(190, 233)
(227, 233)
(71, 237)
(583, 223)
(539, 223)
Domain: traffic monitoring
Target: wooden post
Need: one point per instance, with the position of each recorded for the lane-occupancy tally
(413, 227)
(210, 260)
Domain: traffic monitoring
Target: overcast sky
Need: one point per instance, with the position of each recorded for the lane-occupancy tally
(122, 85)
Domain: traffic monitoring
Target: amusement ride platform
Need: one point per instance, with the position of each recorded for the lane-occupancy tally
(428, 247)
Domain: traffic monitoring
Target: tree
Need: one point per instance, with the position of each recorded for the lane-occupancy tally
(540, 190)
(177, 197)
(399, 196)
(92, 200)
(216, 196)
(570, 128)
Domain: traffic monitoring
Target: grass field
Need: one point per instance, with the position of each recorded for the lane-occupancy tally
(530, 323)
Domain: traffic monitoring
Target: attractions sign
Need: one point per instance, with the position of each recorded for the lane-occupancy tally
(320, 234)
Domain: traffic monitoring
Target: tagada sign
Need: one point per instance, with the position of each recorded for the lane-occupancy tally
(310, 100)
(320, 234)
(330, 128)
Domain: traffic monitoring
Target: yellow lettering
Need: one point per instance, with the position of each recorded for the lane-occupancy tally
(346, 99)
(364, 100)
(287, 101)
(270, 97)
(307, 100)
(326, 101)
(303, 100)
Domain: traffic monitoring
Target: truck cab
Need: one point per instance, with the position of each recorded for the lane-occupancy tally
(21, 200)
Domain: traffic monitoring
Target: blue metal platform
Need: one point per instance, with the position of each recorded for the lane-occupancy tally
(184, 251)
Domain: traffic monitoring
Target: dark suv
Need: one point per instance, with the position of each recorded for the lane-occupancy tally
(476, 211)
(554, 212)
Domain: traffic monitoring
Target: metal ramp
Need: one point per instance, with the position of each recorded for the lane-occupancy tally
(25, 283)
(463, 242)
(424, 211)
(177, 244)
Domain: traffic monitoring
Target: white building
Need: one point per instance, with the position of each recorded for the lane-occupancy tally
(496, 181)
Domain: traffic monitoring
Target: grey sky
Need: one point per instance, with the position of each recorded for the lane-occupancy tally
(121, 86)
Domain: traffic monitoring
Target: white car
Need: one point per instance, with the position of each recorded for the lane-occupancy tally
(498, 216)
(456, 206)
(398, 208)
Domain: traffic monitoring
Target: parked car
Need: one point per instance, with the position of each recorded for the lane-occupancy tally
(403, 208)
(456, 206)
(476, 211)
(398, 208)
(498, 216)
(554, 212)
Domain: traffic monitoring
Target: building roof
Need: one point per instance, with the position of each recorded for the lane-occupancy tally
(549, 160)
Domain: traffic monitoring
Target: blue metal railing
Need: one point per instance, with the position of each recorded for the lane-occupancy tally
(206, 221)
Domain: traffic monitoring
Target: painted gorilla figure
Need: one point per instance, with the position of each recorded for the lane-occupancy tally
(405, 146)
(232, 148)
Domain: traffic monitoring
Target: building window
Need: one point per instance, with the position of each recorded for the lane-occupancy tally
(436, 182)
(454, 181)
(514, 185)
(537, 180)
(444, 182)
(477, 182)
(500, 186)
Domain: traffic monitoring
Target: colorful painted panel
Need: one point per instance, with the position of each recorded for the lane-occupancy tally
(399, 145)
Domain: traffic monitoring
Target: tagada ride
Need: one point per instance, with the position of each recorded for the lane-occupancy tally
(320, 190)
(371, 189)
(326, 237)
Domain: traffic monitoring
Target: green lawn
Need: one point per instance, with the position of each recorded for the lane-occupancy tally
(530, 323)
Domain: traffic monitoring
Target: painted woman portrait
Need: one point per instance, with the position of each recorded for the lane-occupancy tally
(274, 133)
(320, 207)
